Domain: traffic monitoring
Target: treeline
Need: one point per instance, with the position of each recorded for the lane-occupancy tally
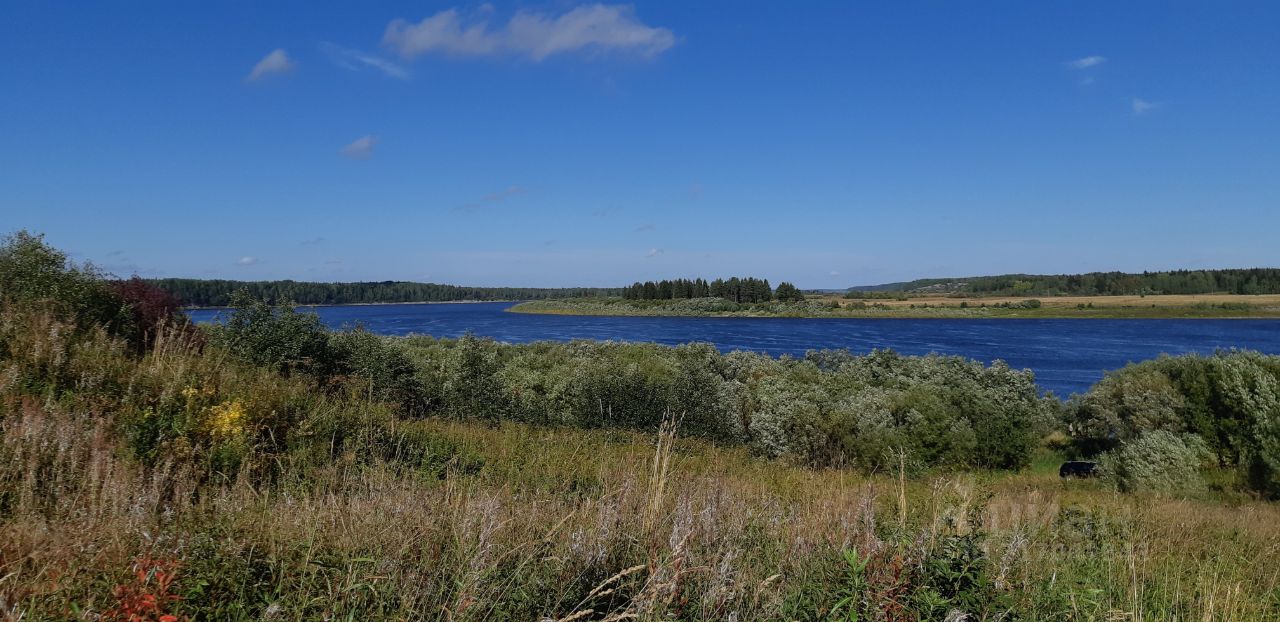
(739, 290)
(218, 293)
(1233, 281)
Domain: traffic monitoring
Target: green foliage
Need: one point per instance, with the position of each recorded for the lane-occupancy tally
(787, 292)
(853, 589)
(945, 574)
(736, 289)
(221, 293)
(471, 387)
(832, 408)
(388, 372)
(279, 337)
(1157, 461)
(1231, 400)
(34, 274)
(957, 578)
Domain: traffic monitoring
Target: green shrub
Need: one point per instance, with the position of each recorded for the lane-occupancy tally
(34, 274)
(279, 337)
(384, 367)
(1230, 399)
(1157, 461)
(831, 408)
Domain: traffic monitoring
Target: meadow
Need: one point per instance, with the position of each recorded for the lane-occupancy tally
(270, 469)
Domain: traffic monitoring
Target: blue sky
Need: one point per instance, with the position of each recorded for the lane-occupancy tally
(558, 143)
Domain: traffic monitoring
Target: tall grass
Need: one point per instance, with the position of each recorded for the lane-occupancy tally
(592, 524)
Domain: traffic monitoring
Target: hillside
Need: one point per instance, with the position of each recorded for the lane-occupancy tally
(1232, 281)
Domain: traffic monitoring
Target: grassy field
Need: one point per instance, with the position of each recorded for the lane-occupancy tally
(340, 510)
(1072, 302)
(1153, 306)
(528, 523)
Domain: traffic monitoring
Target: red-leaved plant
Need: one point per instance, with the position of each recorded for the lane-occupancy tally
(149, 596)
(151, 307)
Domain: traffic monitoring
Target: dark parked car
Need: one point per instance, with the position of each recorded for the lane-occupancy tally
(1078, 468)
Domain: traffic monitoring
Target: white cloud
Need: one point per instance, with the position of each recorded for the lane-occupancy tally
(1141, 106)
(277, 61)
(442, 32)
(654, 252)
(361, 148)
(834, 273)
(533, 35)
(355, 60)
(1086, 62)
(246, 261)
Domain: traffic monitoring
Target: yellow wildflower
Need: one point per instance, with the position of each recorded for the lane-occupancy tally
(227, 419)
(190, 392)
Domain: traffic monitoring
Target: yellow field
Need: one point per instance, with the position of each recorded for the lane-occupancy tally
(1264, 300)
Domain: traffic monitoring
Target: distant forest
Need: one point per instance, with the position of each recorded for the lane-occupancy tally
(1236, 281)
(217, 293)
(737, 289)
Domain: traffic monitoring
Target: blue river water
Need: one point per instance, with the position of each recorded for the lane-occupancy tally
(1067, 356)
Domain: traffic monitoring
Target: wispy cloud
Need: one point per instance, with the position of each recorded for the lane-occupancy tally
(502, 194)
(360, 148)
(644, 228)
(314, 241)
(654, 252)
(1141, 106)
(356, 60)
(493, 197)
(595, 27)
(276, 62)
(834, 273)
(247, 261)
(1086, 62)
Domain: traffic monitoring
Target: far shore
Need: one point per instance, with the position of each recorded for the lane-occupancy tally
(358, 304)
(1208, 306)
(1205, 306)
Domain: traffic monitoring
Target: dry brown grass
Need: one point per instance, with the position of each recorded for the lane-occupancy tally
(620, 532)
